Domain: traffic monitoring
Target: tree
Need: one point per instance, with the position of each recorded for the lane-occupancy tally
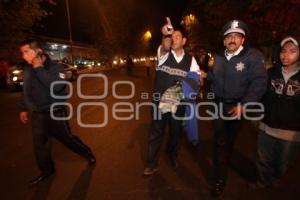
(110, 30)
(16, 21)
(274, 18)
(116, 29)
(267, 19)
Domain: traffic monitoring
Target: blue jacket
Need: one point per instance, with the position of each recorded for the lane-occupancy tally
(243, 77)
(190, 87)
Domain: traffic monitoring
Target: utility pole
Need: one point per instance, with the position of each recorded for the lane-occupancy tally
(70, 29)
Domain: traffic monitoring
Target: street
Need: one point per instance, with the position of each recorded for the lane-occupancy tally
(120, 149)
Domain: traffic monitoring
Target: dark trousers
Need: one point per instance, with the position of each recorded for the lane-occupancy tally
(44, 128)
(273, 157)
(156, 135)
(225, 132)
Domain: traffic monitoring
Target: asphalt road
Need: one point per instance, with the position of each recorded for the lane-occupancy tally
(120, 151)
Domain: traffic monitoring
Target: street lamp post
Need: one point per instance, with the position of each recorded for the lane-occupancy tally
(70, 29)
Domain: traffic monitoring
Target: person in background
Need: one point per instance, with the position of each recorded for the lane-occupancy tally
(3, 72)
(278, 141)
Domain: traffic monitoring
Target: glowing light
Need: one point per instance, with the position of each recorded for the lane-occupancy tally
(147, 36)
(16, 72)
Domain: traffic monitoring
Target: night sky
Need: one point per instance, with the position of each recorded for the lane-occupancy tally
(143, 15)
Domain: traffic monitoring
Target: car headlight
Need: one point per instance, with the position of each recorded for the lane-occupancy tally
(15, 78)
(16, 72)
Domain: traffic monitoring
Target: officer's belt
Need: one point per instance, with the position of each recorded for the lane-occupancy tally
(227, 100)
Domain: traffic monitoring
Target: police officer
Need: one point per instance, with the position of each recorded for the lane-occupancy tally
(238, 77)
(37, 98)
(173, 63)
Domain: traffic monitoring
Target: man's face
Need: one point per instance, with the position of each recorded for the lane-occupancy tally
(28, 54)
(289, 54)
(178, 40)
(233, 41)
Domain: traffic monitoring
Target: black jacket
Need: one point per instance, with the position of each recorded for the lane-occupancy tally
(282, 101)
(36, 94)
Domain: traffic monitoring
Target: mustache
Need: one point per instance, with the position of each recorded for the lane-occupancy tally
(232, 43)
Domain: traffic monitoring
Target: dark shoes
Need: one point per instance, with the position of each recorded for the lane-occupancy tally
(257, 185)
(217, 188)
(40, 178)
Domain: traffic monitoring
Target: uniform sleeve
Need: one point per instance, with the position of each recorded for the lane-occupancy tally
(258, 79)
(23, 107)
(25, 100)
(49, 76)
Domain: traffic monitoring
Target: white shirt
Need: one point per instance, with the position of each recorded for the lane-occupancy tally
(162, 58)
(230, 55)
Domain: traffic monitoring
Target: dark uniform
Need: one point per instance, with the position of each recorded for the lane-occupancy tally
(37, 99)
(240, 79)
(232, 86)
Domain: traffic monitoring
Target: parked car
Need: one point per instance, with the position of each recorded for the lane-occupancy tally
(71, 72)
(14, 77)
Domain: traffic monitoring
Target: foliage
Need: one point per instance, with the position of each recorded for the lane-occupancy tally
(267, 19)
(16, 20)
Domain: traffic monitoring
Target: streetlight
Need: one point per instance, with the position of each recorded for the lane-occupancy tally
(147, 36)
(70, 29)
(188, 21)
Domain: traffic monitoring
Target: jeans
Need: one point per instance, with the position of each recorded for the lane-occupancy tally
(157, 132)
(273, 157)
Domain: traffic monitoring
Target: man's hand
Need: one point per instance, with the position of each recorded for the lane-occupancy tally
(23, 117)
(236, 111)
(167, 29)
(38, 61)
(166, 42)
(203, 74)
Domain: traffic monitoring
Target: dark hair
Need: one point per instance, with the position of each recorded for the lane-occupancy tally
(182, 30)
(33, 43)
